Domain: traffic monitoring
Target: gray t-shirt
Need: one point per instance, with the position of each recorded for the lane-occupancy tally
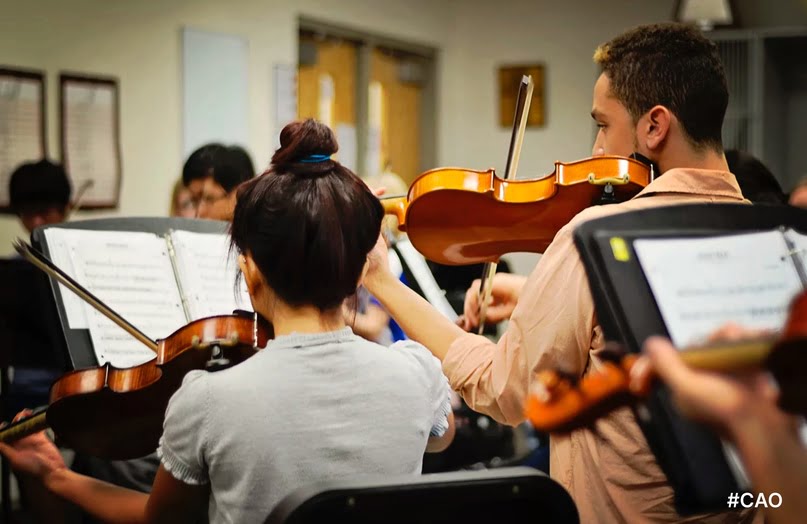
(307, 408)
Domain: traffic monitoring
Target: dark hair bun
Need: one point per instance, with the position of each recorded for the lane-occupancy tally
(303, 148)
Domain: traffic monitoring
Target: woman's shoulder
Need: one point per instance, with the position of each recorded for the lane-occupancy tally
(192, 390)
(417, 354)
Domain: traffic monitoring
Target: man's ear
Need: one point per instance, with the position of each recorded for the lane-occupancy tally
(654, 127)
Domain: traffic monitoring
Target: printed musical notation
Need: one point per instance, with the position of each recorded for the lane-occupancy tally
(90, 138)
(22, 129)
(157, 283)
(207, 274)
(700, 284)
(132, 273)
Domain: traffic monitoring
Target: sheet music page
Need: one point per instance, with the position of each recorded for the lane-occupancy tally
(207, 274)
(58, 247)
(702, 283)
(91, 135)
(132, 273)
(420, 269)
(21, 132)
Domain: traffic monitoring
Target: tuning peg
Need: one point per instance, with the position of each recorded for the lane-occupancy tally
(550, 383)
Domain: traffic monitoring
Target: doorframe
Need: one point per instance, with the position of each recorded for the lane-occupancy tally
(367, 43)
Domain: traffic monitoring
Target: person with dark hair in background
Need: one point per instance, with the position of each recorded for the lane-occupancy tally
(211, 173)
(39, 193)
(755, 180)
(182, 204)
(315, 403)
(231, 167)
(199, 166)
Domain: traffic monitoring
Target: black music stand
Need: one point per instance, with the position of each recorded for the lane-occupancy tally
(691, 456)
(500, 495)
(76, 342)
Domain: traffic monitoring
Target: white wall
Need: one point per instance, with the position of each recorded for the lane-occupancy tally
(139, 42)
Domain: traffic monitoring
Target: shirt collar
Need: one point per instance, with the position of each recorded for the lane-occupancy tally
(695, 182)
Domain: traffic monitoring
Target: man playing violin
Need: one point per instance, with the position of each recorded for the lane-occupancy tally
(662, 93)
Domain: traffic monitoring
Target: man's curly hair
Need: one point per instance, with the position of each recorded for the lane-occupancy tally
(672, 65)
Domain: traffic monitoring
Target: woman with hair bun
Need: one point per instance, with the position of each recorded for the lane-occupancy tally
(315, 403)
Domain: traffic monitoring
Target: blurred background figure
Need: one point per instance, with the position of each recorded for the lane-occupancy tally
(39, 193)
(756, 181)
(371, 320)
(211, 174)
(798, 197)
(182, 201)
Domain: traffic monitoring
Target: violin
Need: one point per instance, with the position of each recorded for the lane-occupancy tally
(457, 216)
(116, 413)
(558, 403)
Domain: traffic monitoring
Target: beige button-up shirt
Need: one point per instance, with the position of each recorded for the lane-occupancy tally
(610, 473)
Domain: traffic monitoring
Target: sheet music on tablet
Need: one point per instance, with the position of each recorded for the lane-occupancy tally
(142, 277)
(700, 284)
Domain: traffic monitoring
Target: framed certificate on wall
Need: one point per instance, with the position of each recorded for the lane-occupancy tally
(22, 123)
(90, 137)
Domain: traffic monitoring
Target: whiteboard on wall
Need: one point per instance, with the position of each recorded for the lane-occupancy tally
(214, 89)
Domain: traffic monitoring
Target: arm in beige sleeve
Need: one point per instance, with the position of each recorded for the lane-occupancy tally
(550, 328)
(419, 320)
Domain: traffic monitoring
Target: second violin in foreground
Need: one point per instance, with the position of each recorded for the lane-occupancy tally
(116, 413)
(558, 403)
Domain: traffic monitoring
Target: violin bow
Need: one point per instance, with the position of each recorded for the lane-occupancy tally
(525, 89)
(43, 263)
(79, 195)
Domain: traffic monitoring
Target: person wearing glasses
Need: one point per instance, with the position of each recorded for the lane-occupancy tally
(211, 174)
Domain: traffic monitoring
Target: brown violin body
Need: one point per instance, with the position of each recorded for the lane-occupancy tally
(559, 404)
(118, 414)
(458, 216)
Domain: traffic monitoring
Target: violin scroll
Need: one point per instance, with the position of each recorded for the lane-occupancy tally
(559, 403)
(396, 206)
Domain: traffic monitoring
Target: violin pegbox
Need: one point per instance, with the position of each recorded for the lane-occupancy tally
(552, 384)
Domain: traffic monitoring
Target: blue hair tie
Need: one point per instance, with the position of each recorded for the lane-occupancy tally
(313, 159)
